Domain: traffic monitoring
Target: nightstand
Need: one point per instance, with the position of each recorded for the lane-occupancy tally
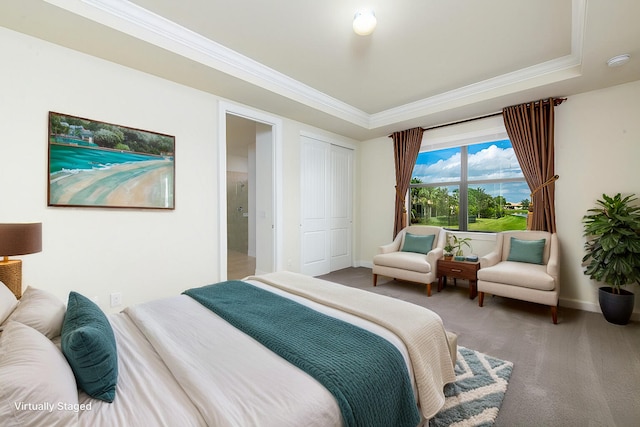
(467, 270)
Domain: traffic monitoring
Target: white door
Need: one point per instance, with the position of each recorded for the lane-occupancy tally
(314, 171)
(340, 178)
(326, 185)
(264, 220)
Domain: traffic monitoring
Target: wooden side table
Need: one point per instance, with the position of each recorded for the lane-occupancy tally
(467, 270)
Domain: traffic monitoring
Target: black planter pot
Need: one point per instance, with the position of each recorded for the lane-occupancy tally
(616, 308)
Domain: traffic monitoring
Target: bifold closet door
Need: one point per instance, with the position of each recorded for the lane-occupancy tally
(326, 195)
(340, 202)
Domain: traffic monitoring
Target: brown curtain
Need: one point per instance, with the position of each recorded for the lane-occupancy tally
(530, 128)
(406, 146)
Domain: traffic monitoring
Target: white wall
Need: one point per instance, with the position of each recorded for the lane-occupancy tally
(145, 254)
(99, 251)
(376, 183)
(597, 150)
(237, 164)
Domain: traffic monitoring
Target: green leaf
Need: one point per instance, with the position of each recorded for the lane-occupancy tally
(612, 248)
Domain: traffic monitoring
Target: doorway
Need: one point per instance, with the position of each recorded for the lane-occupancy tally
(250, 192)
(241, 201)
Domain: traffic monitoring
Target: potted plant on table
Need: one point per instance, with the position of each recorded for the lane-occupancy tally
(613, 253)
(448, 250)
(454, 246)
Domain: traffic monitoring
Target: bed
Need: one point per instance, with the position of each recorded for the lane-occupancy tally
(181, 363)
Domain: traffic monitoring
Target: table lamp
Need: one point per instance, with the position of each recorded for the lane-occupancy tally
(17, 239)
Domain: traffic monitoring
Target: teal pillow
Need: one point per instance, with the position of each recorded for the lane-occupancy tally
(531, 251)
(89, 345)
(417, 243)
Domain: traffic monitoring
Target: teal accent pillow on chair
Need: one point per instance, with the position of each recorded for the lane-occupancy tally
(531, 251)
(89, 345)
(417, 243)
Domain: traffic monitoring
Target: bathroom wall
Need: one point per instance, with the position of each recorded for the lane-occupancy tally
(237, 212)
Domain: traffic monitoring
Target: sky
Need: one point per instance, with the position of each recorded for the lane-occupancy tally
(489, 160)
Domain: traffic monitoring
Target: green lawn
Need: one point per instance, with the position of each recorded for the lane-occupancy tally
(507, 222)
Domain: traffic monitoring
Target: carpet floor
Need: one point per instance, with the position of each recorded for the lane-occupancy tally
(583, 371)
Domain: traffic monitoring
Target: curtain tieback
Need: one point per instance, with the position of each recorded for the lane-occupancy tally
(544, 184)
(401, 197)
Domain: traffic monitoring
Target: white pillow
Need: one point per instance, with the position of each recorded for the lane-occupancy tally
(8, 302)
(41, 310)
(34, 372)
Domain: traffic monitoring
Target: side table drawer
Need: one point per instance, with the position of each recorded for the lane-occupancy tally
(459, 269)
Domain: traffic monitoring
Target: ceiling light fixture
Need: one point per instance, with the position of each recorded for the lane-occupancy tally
(619, 60)
(364, 22)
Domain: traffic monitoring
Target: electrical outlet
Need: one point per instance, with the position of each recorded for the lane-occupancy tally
(116, 299)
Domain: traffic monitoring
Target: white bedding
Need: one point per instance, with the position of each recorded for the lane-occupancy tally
(147, 393)
(432, 349)
(180, 364)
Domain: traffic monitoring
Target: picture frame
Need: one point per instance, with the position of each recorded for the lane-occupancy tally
(102, 165)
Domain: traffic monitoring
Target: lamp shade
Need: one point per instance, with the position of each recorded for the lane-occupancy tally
(20, 239)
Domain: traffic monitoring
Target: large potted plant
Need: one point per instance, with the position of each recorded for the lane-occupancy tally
(612, 254)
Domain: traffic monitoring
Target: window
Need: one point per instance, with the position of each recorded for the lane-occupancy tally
(477, 187)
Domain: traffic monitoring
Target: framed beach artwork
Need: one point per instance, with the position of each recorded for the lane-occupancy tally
(102, 165)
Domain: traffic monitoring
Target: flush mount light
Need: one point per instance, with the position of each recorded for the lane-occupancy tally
(364, 22)
(619, 60)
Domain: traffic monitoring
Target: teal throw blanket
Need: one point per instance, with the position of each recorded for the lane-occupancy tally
(365, 373)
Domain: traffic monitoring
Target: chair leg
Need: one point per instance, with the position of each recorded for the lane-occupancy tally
(554, 314)
(375, 279)
(428, 289)
(480, 298)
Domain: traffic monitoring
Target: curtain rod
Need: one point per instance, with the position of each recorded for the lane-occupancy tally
(499, 113)
(556, 101)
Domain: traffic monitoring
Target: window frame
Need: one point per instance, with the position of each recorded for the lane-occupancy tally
(463, 136)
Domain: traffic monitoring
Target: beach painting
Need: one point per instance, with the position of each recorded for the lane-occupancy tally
(97, 164)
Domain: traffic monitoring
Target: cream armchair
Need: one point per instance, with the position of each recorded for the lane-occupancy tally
(522, 267)
(407, 257)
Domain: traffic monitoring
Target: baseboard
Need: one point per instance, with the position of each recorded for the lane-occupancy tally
(564, 302)
(579, 305)
(589, 306)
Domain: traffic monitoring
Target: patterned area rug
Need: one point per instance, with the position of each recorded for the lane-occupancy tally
(475, 398)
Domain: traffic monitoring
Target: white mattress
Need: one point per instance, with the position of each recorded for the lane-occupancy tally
(181, 364)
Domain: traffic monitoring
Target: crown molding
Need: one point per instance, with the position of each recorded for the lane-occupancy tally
(145, 25)
(555, 70)
(131, 19)
(544, 73)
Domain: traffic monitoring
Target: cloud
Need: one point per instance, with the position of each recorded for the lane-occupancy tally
(494, 163)
(441, 171)
(491, 162)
